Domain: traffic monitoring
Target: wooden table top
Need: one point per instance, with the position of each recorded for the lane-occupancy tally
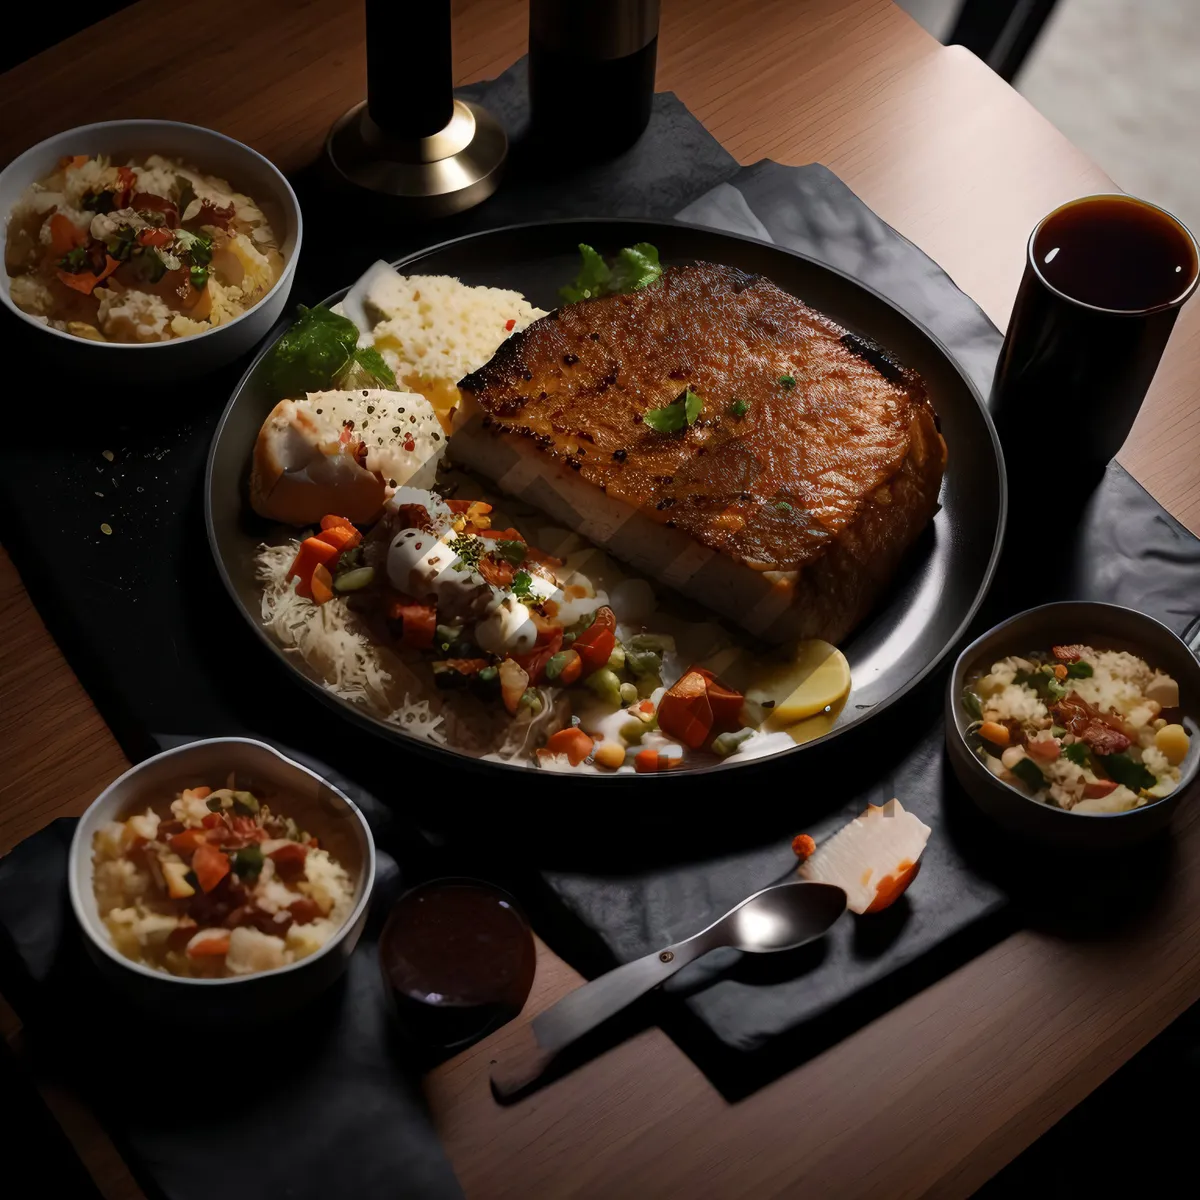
(935, 1096)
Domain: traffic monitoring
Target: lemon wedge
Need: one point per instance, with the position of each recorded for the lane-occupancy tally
(816, 679)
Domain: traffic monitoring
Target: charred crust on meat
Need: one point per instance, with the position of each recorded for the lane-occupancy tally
(877, 356)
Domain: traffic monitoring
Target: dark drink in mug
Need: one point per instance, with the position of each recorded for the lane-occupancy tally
(1105, 277)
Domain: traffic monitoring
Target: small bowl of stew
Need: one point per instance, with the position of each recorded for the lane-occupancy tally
(221, 879)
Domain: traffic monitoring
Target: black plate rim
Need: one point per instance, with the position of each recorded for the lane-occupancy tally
(446, 754)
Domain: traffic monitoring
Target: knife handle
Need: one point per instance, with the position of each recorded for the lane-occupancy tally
(582, 1010)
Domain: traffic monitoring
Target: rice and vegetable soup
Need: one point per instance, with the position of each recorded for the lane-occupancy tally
(1083, 729)
(141, 251)
(464, 617)
(217, 884)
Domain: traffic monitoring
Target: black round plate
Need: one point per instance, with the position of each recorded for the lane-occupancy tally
(944, 577)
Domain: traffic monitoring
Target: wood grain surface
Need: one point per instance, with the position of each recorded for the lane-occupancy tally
(938, 1094)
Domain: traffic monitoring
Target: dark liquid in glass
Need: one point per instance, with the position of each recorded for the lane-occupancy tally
(589, 108)
(459, 959)
(1114, 252)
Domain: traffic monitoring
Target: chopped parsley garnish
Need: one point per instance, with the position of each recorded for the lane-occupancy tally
(510, 551)
(469, 549)
(522, 585)
(634, 267)
(783, 506)
(739, 408)
(787, 381)
(74, 260)
(198, 247)
(683, 411)
(1079, 670)
(199, 276)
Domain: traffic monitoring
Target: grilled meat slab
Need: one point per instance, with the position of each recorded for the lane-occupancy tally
(813, 464)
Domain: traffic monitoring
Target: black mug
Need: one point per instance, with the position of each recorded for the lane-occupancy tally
(1105, 277)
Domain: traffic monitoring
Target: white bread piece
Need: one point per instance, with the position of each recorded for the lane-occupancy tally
(873, 859)
(303, 469)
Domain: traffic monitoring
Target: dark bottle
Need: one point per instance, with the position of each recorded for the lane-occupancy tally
(591, 74)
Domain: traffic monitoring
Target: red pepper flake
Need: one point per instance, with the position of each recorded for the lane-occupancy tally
(803, 846)
(510, 324)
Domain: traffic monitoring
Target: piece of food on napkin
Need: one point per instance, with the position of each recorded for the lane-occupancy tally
(873, 859)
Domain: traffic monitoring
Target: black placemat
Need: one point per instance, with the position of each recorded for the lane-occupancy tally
(322, 1103)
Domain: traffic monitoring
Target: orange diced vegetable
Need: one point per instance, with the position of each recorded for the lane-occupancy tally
(994, 732)
(595, 644)
(212, 820)
(200, 793)
(514, 679)
(1099, 788)
(571, 671)
(648, 761)
(803, 846)
(65, 235)
(155, 237)
(339, 532)
(188, 841)
(311, 553)
(73, 161)
(685, 713)
(85, 281)
(726, 704)
(210, 866)
(291, 855)
(333, 521)
(321, 584)
(417, 623)
(501, 535)
(572, 742)
(548, 645)
(216, 946)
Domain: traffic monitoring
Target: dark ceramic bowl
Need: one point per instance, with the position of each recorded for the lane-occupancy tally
(315, 803)
(1110, 627)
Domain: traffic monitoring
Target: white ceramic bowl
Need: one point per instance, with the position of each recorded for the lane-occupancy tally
(210, 152)
(313, 802)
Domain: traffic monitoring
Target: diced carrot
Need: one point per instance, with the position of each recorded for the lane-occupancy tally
(216, 946)
(648, 761)
(685, 712)
(571, 671)
(188, 841)
(333, 521)
(65, 235)
(572, 742)
(73, 162)
(994, 732)
(1101, 787)
(412, 623)
(155, 237)
(311, 553)
(534, 663)
(341, 537)
(803, 846)
(725, 702)
(502, 535)
(85, 281)
(459, 506)
(510, 324)
(595, 644)
(321, 584)
(210, 865)
(212, 820)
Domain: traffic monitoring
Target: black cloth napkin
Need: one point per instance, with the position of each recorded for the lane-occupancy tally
(322, 1103)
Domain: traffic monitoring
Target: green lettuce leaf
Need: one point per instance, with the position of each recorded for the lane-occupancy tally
(634, 267)
(311, 355)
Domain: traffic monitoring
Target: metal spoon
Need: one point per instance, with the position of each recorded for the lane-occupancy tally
(782, 917)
